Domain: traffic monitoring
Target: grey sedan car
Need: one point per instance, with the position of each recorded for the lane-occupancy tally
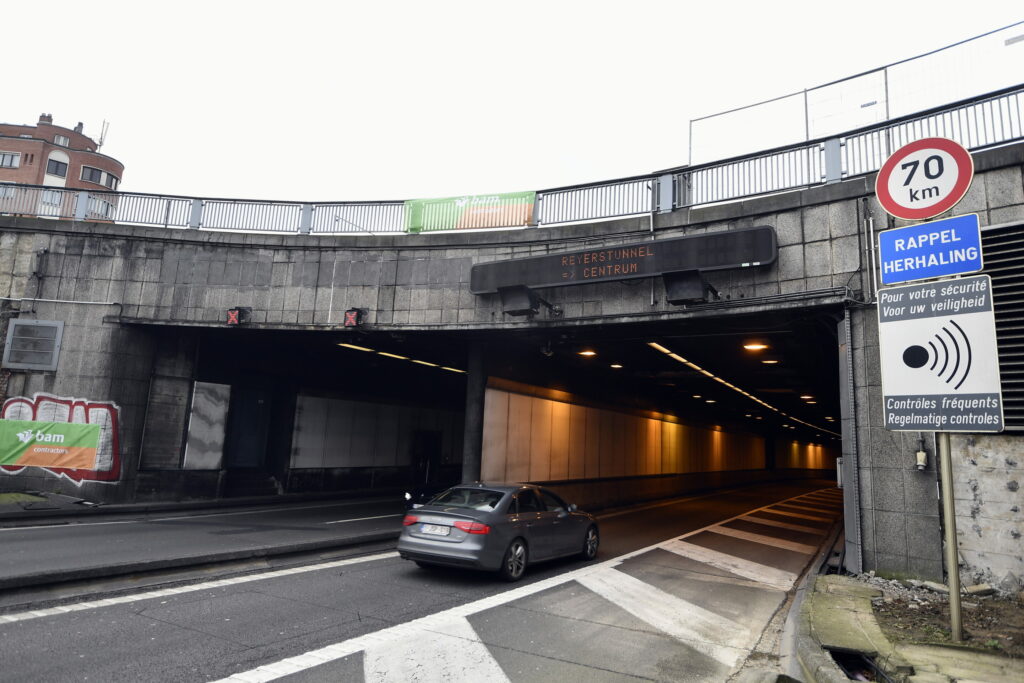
(496, 527)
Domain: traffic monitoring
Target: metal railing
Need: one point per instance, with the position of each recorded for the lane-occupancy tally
(977, 123)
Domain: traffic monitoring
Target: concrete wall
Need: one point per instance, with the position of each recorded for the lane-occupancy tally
(530, 438)
(988, 472)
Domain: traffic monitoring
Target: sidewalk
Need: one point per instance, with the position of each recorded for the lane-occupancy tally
(837, 615)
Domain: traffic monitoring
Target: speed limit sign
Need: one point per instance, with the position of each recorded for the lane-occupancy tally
(924, 178)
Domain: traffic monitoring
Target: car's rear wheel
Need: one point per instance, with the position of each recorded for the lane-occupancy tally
(591, 540)
(514, 563)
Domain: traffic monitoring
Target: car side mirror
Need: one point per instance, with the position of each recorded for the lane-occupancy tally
(572, 507)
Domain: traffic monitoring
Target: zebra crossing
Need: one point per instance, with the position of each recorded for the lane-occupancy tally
(689, 609)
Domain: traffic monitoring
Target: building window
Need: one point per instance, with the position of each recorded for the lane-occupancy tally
(93, 175)
(111, 181)
(61, 140)
(10, 159)
(58, 168)
(33, 344)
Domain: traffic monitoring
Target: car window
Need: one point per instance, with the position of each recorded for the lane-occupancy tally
(528, 501)
(469, 498)
(552, 502)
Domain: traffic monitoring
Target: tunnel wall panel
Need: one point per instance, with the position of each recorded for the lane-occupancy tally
(530, 438)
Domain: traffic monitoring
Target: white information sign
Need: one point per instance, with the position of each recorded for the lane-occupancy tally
(939, 360)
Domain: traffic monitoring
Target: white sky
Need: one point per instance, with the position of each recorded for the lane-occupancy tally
(366, 100)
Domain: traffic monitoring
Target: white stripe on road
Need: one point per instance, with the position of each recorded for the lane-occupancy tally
(810, 508)
(711, 634)
(178, 518)
(362, 519)
(782, 525)
(165, 592)
(776, 578)
(801, 515)
(765, 540)
(447, 651)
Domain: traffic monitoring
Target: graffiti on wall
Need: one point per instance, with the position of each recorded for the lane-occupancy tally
(50, 409)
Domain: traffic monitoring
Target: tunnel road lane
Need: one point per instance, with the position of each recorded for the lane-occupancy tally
(687, 608)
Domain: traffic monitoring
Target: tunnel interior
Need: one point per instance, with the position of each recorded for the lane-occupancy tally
(773, 374)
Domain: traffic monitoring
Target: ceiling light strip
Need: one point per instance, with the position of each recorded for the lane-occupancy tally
(701, 370)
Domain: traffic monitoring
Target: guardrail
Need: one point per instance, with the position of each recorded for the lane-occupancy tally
(976, 124)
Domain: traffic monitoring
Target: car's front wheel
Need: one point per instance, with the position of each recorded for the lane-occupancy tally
(514, 563)
(591, 540)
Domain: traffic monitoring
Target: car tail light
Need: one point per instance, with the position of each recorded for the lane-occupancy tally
(473, 527)
(409, 520)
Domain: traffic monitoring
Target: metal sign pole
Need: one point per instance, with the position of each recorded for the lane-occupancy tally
(952, 556)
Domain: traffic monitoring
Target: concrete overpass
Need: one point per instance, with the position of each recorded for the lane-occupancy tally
(439, 379)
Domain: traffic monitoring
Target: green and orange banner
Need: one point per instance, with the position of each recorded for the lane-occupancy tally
(48, 444)
(505, 210)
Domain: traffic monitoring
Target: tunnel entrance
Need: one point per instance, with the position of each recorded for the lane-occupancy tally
(581, 404)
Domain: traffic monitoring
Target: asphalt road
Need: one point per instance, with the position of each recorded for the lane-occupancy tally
(207, 631)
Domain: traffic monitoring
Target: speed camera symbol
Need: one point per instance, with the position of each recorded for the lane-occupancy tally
(949, 352)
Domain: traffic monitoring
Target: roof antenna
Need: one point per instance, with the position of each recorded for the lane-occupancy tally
(103, 135)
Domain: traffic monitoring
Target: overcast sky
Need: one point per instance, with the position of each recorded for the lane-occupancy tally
(371, 100)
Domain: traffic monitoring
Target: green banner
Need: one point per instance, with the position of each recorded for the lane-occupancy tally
(507, 210)
(48, 444)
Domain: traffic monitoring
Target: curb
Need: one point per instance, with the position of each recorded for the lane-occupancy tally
(63, 576)
(75, 511)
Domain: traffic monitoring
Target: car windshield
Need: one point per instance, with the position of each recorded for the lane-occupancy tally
(472, 499)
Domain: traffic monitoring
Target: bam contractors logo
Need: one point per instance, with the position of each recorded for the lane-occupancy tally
(48, 444)
(72, 438)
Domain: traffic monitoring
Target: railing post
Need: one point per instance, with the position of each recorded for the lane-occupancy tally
(684, 189)
(666, 189)
(833, 161)
(195, 219)
(535, 219)
(82, 205)
(306, 219)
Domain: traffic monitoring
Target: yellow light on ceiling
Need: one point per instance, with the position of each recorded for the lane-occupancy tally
(769, 361)
(357, 348)
(423, 362)
(659, 347)
(806, 396)
(392, 355)
(616, 366)
(588, 353)
(755, 346)
(444, 367)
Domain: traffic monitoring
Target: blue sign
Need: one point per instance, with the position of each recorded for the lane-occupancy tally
(938, 249)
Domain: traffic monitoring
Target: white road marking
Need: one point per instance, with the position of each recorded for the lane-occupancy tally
(783, 525)
(776, 578)
(447, 651)
(62, 526)
(178, 518)
(801, 515)
(362, 519)
(765, 540)
(711, 634)
(810, 508)
(760, 574)
(125, 599)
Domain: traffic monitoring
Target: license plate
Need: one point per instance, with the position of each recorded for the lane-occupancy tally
(435, 529)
